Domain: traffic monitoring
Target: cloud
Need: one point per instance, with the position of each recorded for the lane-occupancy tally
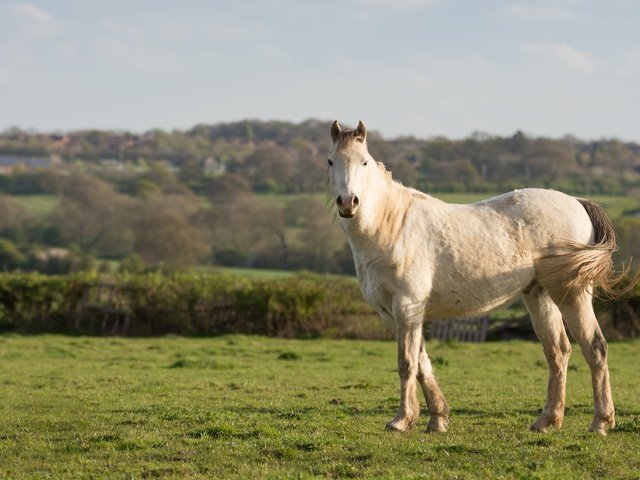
(563, 54)
(122, 54)
(34, 21)
(629, 64)
(398, 4)
(7, 77)
(541, 12)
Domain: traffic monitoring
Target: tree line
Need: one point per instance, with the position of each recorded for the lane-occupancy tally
(168, 225)
(286, 157)
(254, 194)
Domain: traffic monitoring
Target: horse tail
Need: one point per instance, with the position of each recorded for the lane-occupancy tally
(576, 266)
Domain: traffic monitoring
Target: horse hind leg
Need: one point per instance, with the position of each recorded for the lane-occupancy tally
(436, 402)
(577, 310)
(547, 323)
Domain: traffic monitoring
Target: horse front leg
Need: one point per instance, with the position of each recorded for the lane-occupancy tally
(413, 364)
(436, 402)
(408, 352)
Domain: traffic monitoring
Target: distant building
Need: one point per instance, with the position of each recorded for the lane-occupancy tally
(213, 166)
(8, 163)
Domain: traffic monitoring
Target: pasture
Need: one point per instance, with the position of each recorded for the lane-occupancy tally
(39, 205)
(252, 407)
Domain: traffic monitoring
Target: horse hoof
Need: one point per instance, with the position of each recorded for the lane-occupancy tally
(391, 427)
(437, 424)
(539, 428)
(600, 426)
(546, 423)
(400, 425)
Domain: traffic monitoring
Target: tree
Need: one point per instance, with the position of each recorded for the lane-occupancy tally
(247, 232)
(12, 214)
(321, 238)
(94, 217)
(191, 174)
(403, 170)
(166, 180)
(310, 167)
(228, 188)
(166, 237)
(269, 169)
(10, 256)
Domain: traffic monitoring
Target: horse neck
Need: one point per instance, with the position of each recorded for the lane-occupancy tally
(381, 216)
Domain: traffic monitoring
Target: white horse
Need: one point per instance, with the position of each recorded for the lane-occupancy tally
(418, 258)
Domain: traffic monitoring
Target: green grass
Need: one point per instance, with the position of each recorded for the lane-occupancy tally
(257, 273)
(37, 205)
(267, 274)
(615, 205)
(41, 205)
(250, 407)
(462, 197)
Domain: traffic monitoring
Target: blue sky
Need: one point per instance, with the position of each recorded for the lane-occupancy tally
(405, 67)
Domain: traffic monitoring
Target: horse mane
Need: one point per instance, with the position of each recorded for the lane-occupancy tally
(387, 173)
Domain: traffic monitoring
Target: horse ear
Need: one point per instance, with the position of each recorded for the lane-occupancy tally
(361, 131)
(335, 131)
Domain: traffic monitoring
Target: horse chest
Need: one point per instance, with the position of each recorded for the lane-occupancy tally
(375, 288)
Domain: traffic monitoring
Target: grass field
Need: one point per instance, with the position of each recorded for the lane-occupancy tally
(37, 205)
(250, 407)
(41, 205)
(615, 205)
(257, 273)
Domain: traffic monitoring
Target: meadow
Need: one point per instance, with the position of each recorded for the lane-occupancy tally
(616, 205)
(41, 205)
(252, 407)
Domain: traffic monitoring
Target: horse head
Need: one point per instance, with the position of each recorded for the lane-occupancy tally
(350, 168)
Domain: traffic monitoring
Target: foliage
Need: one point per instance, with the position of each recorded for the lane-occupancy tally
(162, 302)
(10, 257)
(252, 407)
(253, 194)
(158, 303)
(287, 157)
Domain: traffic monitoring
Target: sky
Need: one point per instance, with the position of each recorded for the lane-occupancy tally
(404, 67)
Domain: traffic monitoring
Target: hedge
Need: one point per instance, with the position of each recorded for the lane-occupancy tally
(185, 304)
(302, 306)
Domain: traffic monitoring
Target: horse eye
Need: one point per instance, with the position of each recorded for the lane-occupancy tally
(330, 162)
(365, 164)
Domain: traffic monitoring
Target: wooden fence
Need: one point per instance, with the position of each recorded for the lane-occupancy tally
(462, 329)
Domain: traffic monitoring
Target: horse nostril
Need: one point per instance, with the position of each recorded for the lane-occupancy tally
(356, 201)
(339, 201)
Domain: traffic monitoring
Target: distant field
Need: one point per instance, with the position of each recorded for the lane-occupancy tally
(38, 205)
(251, 407)
(259, 273)
(41, 205)
(615, 205)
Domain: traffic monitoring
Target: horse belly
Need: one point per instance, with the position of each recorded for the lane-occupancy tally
(479, 284)
(471, 300)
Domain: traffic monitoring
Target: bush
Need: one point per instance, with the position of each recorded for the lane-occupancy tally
(10, 256)
(160, 303)
(179, 303)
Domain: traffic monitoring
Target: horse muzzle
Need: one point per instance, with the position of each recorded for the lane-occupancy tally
(347, 205)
